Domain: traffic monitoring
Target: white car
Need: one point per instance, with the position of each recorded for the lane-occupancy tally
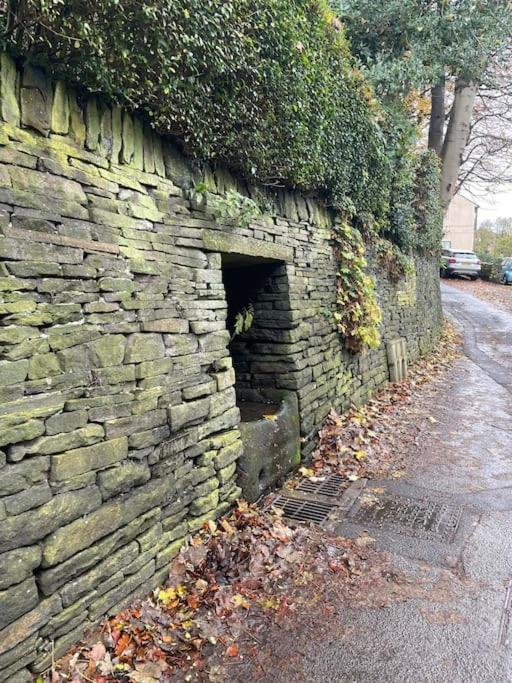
(459, 262)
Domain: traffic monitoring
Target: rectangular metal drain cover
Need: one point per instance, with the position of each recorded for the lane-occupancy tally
(303, 510)
(331, 486)
(416, 517)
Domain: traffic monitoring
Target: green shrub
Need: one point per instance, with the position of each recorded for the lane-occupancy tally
(264, 86)
(491, 271)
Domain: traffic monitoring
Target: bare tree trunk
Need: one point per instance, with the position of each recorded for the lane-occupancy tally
(436, 127)
(456, 139)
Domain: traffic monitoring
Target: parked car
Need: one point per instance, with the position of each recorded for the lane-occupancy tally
(506, 271)
(458, 262)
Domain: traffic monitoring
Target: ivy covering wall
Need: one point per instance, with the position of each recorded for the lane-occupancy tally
(266, 87)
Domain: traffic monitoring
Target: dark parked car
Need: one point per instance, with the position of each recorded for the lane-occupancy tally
(506, 271)
(458, 262)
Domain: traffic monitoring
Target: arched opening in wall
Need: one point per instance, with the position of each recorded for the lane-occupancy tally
(259, 321)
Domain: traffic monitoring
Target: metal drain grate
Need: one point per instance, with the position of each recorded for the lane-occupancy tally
(303, 510)
(420, 518)
(332, 486)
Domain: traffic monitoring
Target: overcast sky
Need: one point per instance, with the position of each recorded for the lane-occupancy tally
(493, 205)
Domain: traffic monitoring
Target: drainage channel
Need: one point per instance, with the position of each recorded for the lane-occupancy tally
(328, 502)
(320, 502)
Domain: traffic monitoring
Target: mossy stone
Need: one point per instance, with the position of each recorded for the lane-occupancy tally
(60, 109)
(144, 347)
(13, 372)
(43, 365)
(9, 99)
(107, 351)
(30, 429)
(205, 503)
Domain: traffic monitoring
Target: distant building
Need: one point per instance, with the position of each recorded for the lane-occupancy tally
(460, 224)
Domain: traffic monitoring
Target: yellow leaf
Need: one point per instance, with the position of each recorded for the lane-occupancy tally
(226, 526)
(166, 594)
(359, 455)
(269, 603)
(270, 417)
(306, 472)
(181, 591)
(240, 601)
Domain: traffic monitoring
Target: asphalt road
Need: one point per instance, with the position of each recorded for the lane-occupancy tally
(457, 627)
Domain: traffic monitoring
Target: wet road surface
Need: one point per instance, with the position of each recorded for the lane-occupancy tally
(460, 628)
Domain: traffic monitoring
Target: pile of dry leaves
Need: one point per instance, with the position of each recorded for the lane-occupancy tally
(250, 572)
(235, 578)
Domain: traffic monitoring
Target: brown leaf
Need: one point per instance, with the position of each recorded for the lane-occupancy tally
(232, 650)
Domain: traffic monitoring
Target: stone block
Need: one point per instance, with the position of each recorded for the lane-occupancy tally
(117, 134)
(115, 375)
(17, 600)
(125, 477)
(169, 326)
(49, 580)
(107, 350)
(138, 144)
(92, 123)
(228, 454)
(200, 506)
(225, 379)
(66, 422)
(36, 99)
(127, 148)
(106, 136)
(68, 619)
(12, 372)
(82, 533)
(13, 659)
(28, 624)
(17, 335)
(186, 414)
(164, 557)
(23, 476)
(21, 432)
(46, 184)
(60, 109)
(153, 368)
(43, 365)
(45, 445)
(181, 344)
(143, 347)
(151, 437)
(222, 401)
(227, 473)
(107, 604)
(81, 460)
(32, 526)
(131, 425)
(28, 499)
(17, 565)
(10, 108)
(93, 579)
(199, 390)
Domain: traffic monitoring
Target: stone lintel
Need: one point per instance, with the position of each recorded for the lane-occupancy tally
(230, 243)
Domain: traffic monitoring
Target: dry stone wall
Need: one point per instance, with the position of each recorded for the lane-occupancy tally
(118, 418)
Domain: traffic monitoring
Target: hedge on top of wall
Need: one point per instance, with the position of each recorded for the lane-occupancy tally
(264, 86)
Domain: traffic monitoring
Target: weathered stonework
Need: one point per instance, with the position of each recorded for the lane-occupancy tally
(118, 417)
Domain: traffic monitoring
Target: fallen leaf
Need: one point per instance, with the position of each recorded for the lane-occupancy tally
(232, 650)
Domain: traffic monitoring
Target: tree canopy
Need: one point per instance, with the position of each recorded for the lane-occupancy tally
(445, 60)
